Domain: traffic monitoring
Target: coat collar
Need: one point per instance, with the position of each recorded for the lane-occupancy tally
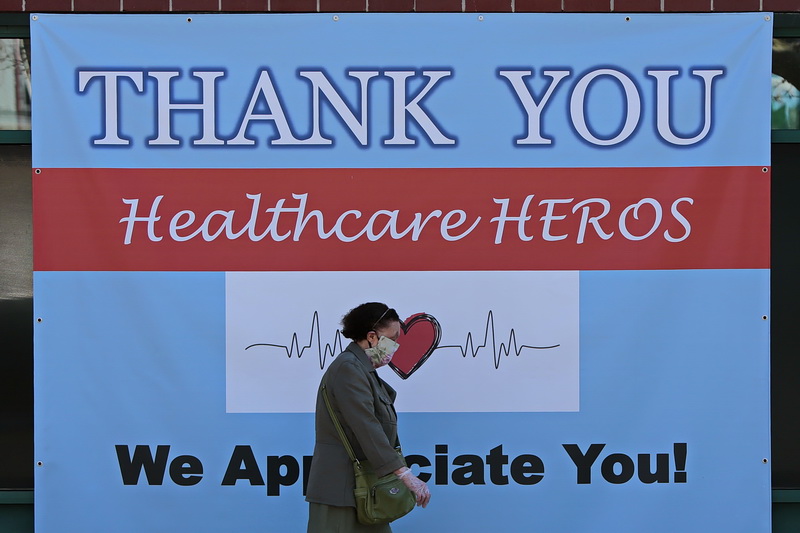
(361, 355)
(363, 358)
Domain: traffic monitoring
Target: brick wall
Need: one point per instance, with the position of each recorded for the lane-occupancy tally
(400, 6)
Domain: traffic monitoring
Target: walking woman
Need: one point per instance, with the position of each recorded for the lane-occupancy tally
(364, 405)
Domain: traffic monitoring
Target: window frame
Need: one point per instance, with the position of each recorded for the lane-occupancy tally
(786, 25)
(15, 26)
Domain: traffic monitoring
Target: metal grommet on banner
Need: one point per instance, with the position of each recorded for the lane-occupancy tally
(627, 19)
(336, 18)
(763, 317)
(38, 171)
(189, 19)
(39, 320)
(39, 463)
(34, 17)
(765, 460)
(764, 169)
(767, 18)
(480, 17)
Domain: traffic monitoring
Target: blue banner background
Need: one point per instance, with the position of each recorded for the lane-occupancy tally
(474, 104)
(667, 356)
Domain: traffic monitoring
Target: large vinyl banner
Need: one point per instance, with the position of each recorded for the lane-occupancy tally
(569, 212)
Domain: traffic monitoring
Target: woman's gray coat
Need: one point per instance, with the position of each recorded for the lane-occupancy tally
(364, 405)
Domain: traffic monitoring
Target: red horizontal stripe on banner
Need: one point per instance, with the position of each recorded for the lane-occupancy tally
(401, 219)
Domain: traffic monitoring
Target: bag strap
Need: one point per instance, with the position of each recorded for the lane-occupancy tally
(338, 425)
(339, 428)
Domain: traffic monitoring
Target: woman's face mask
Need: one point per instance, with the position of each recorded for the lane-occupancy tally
(382, 352)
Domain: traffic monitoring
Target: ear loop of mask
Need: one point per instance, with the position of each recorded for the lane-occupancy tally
(375, 324)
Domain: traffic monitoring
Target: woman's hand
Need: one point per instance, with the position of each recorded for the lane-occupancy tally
(417, 487)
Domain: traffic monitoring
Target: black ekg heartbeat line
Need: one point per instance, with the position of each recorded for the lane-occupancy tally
(504, 349)
(294, 348)
(468, 349)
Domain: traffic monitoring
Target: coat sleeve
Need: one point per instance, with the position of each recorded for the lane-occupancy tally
(354, 398)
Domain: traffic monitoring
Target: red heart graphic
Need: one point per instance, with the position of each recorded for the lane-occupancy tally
(419, 338)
